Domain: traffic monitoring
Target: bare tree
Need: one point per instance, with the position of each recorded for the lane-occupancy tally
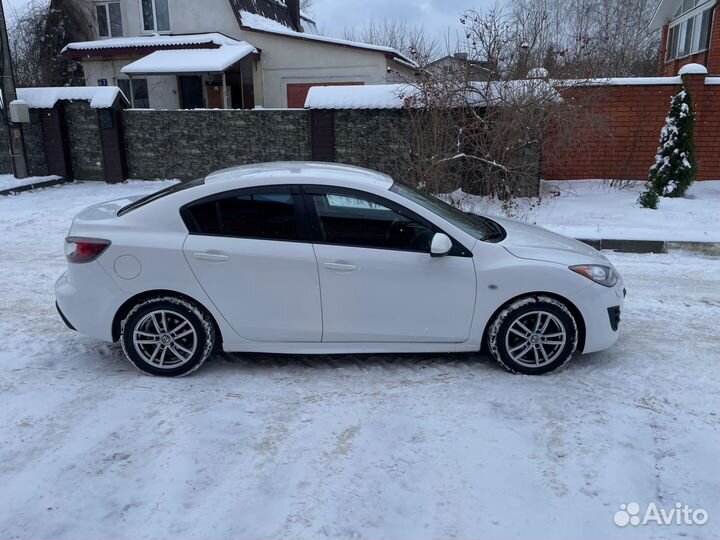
(569, 38)
(409, 39)
(38, 37)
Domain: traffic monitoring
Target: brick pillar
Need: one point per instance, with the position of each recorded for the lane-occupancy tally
(695, 85)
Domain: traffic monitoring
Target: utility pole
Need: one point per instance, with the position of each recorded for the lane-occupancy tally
(17, 144)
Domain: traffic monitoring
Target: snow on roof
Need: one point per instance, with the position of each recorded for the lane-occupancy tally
(153, 41)
(398, 96)
(100, 97)
(380, 96)
(251, 21)
(190, 60)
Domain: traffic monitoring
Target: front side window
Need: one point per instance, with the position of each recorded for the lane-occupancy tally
(155, 15)
(109, 19)
(356, 220)
(263, 216)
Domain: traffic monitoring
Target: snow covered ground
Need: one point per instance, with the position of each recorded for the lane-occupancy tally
(412, 447)
(591, 210)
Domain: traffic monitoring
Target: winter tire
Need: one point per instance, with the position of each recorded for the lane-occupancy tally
(167, 337)
(533, 336)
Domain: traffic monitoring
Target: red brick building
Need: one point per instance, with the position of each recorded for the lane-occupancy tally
(690, 34)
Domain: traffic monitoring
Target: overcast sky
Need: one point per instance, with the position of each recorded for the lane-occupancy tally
(437, 16)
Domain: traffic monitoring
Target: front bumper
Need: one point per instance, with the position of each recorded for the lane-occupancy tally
(602, 311)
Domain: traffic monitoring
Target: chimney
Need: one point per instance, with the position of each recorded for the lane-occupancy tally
(294, 12)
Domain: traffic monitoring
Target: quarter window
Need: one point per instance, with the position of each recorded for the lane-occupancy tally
(109, 19)
(354, 220)
(155, 15)
(266, 216)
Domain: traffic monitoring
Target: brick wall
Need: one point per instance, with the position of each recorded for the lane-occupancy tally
(34, 145)
(621, 128)
(5, 161)
(190, 144)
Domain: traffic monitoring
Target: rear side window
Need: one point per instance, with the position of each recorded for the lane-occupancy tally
(266, 216)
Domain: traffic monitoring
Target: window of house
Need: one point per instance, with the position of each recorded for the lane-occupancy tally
(354, 220)
(109, 19)
(141, 96)
(690, 34)
(265, 216)
(155, 15)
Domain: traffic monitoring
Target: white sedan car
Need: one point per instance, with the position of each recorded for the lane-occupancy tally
(308, 258)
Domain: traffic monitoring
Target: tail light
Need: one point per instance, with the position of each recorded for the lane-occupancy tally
(84, 250)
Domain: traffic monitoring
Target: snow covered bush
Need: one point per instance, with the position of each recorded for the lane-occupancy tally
(675, 168)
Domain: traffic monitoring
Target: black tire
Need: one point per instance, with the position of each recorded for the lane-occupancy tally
(185, 337)
(539, 349)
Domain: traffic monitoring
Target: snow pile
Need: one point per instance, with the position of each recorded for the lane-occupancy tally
(693, 69)
(100, 97)
(538, 73)
(8, 181)
(590, 209)
(253, 21)
(190, 60)
(619, 81)
(152, 41)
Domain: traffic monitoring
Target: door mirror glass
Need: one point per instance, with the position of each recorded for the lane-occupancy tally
(441, 245)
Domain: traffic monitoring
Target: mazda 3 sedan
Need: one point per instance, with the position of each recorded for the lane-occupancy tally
(310, 258)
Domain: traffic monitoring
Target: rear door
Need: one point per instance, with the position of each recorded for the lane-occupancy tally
(378, 280)
(251, 252)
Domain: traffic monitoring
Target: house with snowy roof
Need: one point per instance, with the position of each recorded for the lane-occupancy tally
(224, 54)
(691, 35)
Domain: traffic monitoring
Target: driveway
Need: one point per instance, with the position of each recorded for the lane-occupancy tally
(411, 447)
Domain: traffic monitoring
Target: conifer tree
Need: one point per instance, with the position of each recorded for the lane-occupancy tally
(675, 167)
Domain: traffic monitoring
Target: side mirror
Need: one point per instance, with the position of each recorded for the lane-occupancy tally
(441, 245)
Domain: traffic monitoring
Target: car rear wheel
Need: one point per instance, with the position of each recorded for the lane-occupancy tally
(168, 337)
(533, 336)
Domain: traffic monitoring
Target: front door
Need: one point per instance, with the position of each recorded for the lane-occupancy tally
(191, 92)
(378, 280)
(250, 254)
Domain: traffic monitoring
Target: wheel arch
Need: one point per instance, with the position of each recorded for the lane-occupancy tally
(128, 305)
(576, 313)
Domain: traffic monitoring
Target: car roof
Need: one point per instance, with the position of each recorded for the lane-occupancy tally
(302, 172)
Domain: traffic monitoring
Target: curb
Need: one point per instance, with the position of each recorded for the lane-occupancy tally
(30, 187)
(654, 246)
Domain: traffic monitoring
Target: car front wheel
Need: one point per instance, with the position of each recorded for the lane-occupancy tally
(533, 336)
(167, 336)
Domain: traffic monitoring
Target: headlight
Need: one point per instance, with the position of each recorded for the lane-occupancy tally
(604, 275)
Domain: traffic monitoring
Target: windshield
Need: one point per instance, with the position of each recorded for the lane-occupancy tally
(182, 186)
(476, 226)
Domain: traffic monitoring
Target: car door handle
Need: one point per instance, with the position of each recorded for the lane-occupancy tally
(341, 267)
(211, 256)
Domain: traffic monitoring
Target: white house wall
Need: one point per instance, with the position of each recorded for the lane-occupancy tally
(283, 61)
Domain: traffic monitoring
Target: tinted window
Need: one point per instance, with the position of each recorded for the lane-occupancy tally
(356, 221)
(268, 216)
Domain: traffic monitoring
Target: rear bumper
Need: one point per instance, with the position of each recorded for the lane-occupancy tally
(87, 300)
(64, 318)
